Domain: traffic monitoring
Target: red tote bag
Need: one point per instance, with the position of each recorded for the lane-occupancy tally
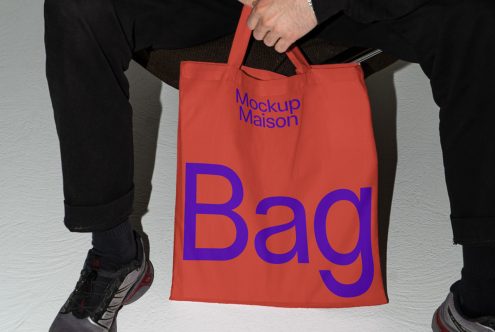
(276, 185)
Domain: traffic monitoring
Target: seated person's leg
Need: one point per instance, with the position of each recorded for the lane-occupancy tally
(453, 41)
(89, 45)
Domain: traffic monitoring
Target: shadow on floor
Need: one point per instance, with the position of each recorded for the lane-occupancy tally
(383, 101)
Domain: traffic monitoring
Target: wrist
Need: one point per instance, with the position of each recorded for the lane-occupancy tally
(310, 5)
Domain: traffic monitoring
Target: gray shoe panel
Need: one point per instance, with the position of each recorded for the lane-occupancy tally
(454, 321)
(68, 322)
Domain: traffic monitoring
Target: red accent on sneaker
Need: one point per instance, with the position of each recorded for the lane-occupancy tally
(145, 282)
(95, 263)
(440, 323)
(81, 305)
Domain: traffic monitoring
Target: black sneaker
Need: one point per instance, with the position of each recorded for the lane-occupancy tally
(100, 293)
(449, 318)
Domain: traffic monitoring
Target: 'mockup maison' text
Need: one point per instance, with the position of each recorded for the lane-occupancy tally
(266, 113)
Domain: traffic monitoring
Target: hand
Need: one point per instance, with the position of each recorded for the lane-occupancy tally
(280, 23)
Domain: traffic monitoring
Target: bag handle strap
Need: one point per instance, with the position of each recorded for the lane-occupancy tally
(241, 41)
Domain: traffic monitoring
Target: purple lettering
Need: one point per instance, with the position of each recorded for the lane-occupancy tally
(193, 208)
(298, 224)
(363, 246)
(244, 100)
(295, 104)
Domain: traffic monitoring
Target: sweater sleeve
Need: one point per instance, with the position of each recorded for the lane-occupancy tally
(325, 9)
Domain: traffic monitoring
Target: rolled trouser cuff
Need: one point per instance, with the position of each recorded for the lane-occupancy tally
(474, 231)
(101, 217)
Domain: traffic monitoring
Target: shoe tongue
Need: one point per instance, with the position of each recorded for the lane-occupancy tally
(100, 273)
(95, 263)
(100, 279)
(102, 264)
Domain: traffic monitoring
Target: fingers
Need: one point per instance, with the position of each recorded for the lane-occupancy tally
(262, 31)
(253, 20)
(271, 38)
(266, 28)
(283, 45)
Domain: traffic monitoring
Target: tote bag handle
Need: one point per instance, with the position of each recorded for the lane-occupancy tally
(241, 41)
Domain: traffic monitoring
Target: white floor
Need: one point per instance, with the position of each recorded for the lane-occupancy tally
(41, 260)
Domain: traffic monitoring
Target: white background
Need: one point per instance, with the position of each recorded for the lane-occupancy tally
(41, 259)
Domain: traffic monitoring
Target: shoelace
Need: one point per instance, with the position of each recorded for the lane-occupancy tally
(90, 294)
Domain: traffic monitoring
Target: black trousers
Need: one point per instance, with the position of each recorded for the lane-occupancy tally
(89, 44)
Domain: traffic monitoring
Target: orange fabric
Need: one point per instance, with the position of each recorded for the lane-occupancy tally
(276, 185)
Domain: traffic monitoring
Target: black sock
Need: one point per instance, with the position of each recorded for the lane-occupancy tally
(116, 246)
(477, 286)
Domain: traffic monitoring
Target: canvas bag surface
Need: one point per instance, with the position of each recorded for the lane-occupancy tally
(276, 200)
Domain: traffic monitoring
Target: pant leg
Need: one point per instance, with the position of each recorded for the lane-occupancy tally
(462, 79)
(453, 41)
(89, 44)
